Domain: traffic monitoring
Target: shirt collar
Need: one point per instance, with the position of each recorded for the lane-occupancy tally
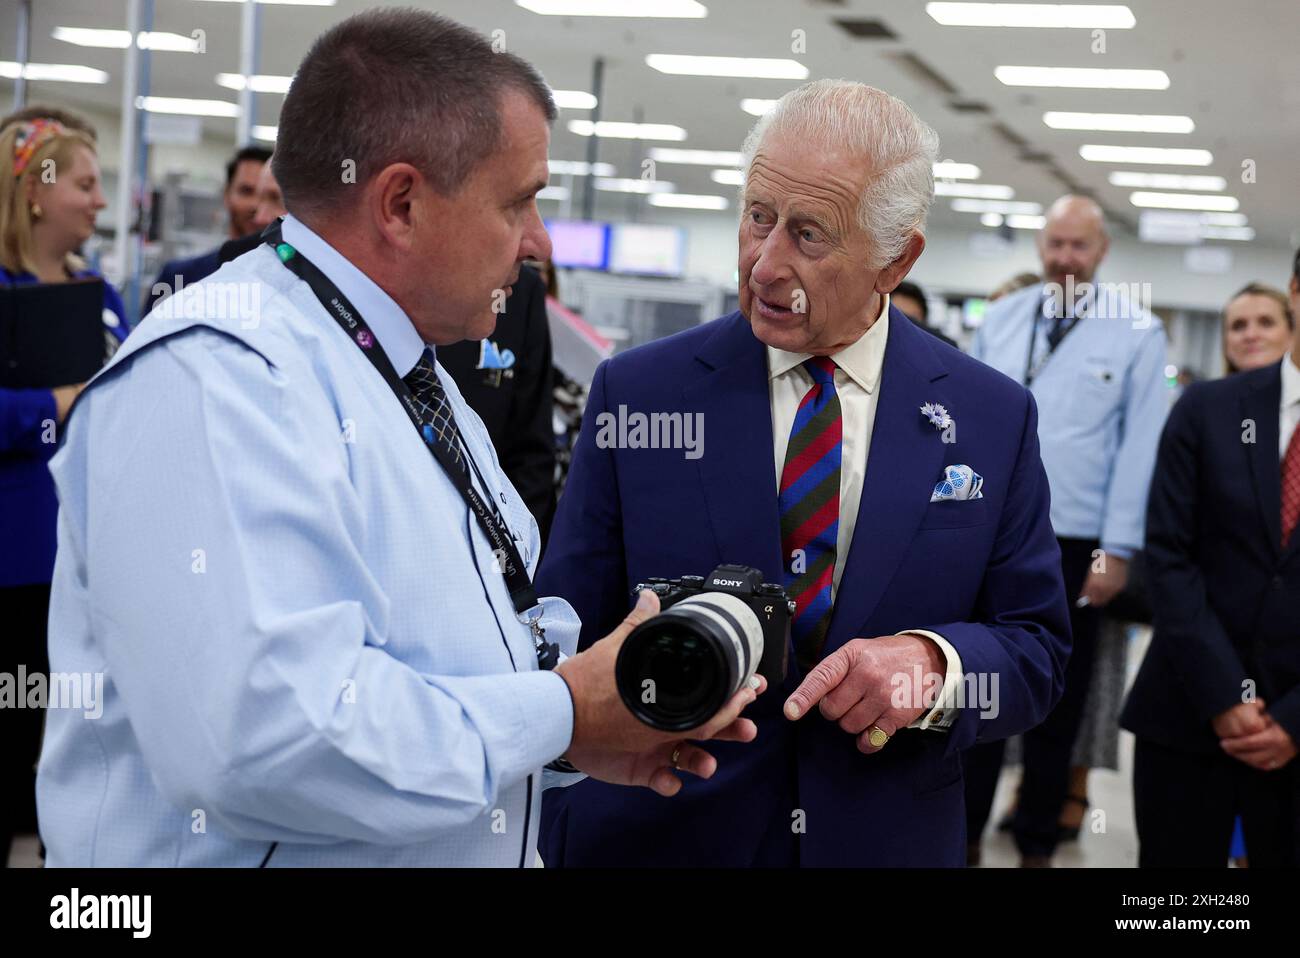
(390, 324)
(1290, 380)
(861, 360)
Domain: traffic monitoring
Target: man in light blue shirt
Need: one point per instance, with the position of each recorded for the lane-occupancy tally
(1094, 357)
(310, 652)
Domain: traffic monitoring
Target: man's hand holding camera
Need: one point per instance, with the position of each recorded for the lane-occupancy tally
(612, 745)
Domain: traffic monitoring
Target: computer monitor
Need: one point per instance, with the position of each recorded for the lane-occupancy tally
(972, 312)
(579, 243)
(647, 249)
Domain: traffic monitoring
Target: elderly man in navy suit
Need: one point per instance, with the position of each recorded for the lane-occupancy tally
(890, 483)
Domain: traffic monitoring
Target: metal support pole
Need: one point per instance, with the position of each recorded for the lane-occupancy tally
(566, 204)
(593, 141)
(24, 52)
(144, 77)
(248, 34)
(637, 202)
(126, 151)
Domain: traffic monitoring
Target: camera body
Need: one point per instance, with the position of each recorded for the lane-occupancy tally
(712, 634)
(767, 600)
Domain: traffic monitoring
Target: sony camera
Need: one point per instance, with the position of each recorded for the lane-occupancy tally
(676, 670)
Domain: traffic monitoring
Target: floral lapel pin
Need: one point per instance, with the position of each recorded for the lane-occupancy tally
(937, 415)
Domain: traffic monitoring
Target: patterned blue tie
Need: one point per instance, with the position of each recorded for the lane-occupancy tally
(435, 411)
(809, 504)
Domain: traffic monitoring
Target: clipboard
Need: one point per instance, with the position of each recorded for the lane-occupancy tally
(51, 334)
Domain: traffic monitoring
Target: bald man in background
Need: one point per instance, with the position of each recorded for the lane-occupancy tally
(1094, 357)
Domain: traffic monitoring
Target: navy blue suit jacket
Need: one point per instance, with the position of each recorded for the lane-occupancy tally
(1224, 593)
(187, 270)
(985, 574)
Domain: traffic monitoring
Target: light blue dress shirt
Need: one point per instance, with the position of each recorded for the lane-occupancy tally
(1102, 401)
(304, 645)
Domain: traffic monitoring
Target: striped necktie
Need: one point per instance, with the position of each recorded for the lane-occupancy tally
(809, 503)
(435, 410)
(1291, 488)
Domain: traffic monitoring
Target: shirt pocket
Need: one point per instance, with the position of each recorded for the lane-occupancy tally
(1099, 376)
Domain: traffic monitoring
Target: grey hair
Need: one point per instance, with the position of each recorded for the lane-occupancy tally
(882, 131)
(395, 85)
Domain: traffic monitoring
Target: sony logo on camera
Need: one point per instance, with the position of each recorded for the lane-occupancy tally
(711, 636)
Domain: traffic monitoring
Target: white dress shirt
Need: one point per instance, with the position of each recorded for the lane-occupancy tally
(1290, 406)
(857, 383)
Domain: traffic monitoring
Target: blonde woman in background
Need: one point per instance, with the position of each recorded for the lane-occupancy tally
(49, 197)
(1257, 328)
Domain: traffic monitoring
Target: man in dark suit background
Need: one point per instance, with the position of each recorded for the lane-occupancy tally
(241, 200)
(1216, 704)
(910, 300)
(892, 484)
(507, 379)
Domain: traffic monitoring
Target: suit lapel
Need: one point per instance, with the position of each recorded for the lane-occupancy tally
(906, 456)
(737, 470)
(1261, 405)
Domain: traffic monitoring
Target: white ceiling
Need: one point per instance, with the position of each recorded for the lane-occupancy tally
(1233, 68)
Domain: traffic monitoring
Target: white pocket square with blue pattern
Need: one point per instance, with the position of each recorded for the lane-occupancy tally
(958, 482)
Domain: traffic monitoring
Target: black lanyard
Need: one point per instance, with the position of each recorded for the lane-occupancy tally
(490, 520)
(1032, 368)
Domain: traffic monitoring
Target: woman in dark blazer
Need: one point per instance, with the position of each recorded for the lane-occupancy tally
(1216, 704)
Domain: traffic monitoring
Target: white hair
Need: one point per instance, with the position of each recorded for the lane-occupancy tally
(879, 130)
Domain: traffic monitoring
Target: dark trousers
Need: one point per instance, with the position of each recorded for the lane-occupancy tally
(1049, 746)
(23, 610)
(1186, 803)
